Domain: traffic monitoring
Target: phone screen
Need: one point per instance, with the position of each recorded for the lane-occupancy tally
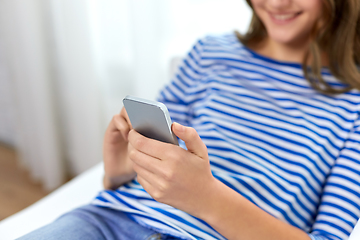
(150, 119)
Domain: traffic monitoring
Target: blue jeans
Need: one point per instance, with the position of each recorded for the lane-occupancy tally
(92, 222)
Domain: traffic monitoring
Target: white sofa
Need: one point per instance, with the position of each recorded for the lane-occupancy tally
(75, 193)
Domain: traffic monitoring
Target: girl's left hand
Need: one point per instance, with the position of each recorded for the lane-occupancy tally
(170, 174)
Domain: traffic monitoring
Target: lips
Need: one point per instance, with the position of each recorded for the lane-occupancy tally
(284, 17)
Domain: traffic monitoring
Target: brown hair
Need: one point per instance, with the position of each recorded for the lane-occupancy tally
(338, 37)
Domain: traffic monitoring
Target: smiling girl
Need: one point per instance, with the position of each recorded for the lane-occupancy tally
(271, 124)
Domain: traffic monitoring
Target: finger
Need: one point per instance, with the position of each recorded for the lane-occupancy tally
(124, 114)
(149, 146)
(192, 140)
(146, 185)
(122, 125)
(148, 180)
(147, 162)
(155, 188)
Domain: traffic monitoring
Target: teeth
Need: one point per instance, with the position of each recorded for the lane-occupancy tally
(284, 16)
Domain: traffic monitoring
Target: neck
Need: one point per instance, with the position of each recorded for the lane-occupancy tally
(282, 52)
(286, 52)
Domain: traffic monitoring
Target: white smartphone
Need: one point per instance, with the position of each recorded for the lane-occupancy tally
(150, 119)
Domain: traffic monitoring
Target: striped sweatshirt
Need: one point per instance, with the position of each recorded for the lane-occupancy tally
(290, 150)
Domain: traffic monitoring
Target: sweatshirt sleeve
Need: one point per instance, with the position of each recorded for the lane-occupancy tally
(339, 208)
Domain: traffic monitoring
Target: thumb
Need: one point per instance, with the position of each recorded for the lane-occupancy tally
(192, 140)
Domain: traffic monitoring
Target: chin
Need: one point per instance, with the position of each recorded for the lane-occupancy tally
(285, 38)
(284, 41)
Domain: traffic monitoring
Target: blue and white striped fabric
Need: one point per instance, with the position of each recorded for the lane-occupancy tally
(290, 150)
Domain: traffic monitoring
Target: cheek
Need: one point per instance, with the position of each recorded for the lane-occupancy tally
(314, 8)
(255, 2)
(311, 5)
(259, 9)
(258, 4)
(312, 15)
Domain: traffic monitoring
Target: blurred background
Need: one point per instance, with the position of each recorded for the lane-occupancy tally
(66, 65)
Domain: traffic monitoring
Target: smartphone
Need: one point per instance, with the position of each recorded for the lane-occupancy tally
(150, 119)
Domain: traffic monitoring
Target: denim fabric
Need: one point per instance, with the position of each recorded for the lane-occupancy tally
(92, 222)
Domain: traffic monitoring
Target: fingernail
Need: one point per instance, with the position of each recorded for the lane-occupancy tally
(179, 127)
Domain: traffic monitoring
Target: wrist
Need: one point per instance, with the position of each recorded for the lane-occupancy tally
(211, 200)
(221, 203)
(117, 172)
(115, 182)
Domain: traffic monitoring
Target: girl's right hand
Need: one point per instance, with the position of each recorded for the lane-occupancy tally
(117, 164)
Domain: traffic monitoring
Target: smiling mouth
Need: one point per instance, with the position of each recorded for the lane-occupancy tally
(284, 17)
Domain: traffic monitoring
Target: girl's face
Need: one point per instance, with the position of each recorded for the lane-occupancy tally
(288, 21)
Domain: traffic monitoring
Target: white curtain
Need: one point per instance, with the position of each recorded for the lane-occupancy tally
(7, 115)
(25, 53)
(72, 61)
